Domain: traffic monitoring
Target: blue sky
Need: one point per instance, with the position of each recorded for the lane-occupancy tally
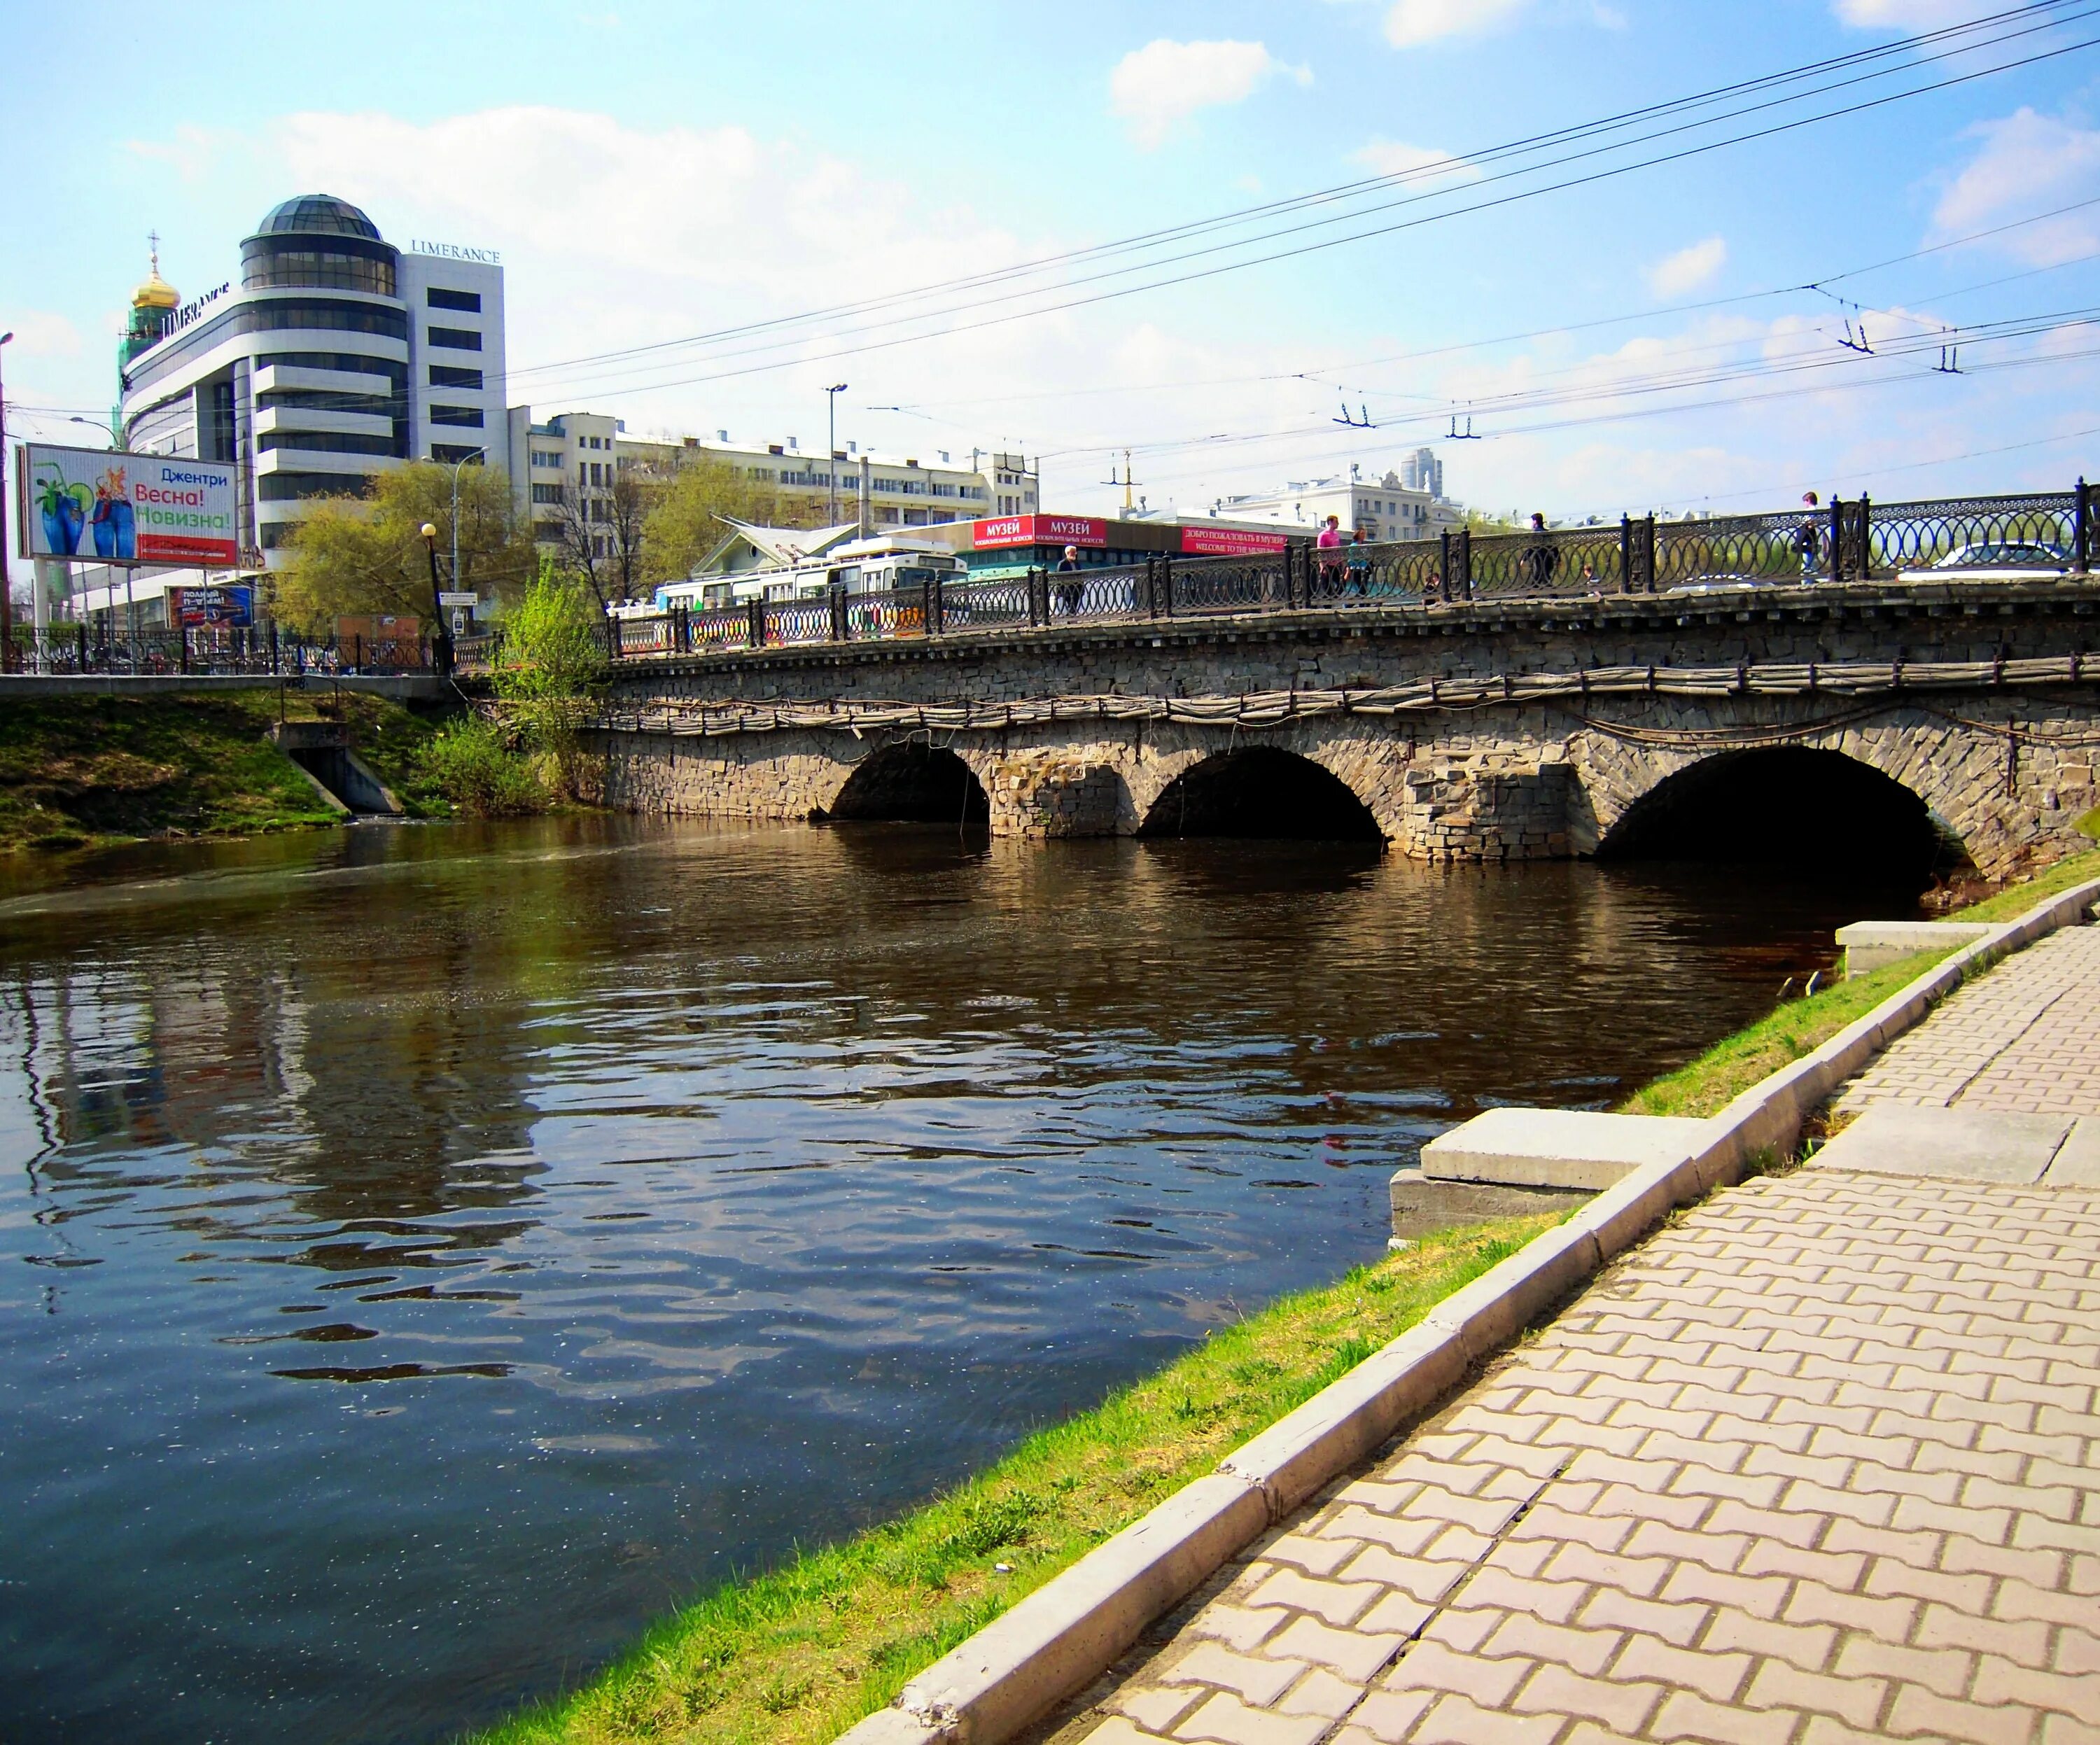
(654, 172)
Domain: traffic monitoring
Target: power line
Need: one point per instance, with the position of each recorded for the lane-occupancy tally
(2047, 12)
(1501, 200)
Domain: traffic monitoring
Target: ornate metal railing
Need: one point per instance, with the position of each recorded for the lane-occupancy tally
(78, 648)
(1810, 546)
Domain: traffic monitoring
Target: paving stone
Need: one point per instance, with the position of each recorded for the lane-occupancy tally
(1974, 1144)
(1835, 1477)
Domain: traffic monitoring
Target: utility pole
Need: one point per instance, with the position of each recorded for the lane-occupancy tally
(832, 451)
(7, 578)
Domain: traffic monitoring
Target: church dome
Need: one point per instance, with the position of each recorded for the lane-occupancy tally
(156, 293)
(317, 215)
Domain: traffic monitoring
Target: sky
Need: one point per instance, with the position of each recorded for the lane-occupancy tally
(765, 196)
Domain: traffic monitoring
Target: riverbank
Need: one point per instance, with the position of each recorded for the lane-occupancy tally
(1705, 1085)
(85, 772)
(796, 1656)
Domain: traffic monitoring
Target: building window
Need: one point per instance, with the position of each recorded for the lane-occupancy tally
(266, 265)
(452, 454)
(469, 416)
(456, 338)
(468, 300)
(886, 515)
(294, 488)
(451, 376)
(546, 493)
(326, 442)
(546, 457)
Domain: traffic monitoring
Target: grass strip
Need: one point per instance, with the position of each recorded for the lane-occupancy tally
(2015, 901)
(1708, 1085)
(796, 1656)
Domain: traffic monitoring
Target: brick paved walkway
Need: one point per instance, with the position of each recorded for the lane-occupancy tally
(2024, 1039)
(1820, 1462)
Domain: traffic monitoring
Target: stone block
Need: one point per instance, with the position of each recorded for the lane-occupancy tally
(1868, 944)
(1422, 1204)
(2077, 1161)
(1564, 1149)
(1979, 1145)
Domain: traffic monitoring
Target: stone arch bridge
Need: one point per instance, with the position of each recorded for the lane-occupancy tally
(1967, 711)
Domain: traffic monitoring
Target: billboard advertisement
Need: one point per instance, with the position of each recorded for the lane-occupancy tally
(1230, 542)
(102, 505)
(212, 608)
(1040, 530)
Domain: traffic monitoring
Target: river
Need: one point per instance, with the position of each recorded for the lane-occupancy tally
(429, 1254)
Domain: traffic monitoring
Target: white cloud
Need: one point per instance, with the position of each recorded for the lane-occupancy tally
(1412, 23)
(1906, 14)
(1424, 166)
(2028, 163)
(1155, 87)
(1689, 268)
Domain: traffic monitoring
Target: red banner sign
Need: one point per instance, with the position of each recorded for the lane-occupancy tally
(1040, 530)
(1230, 542)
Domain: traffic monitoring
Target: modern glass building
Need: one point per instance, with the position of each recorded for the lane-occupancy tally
(335, 356)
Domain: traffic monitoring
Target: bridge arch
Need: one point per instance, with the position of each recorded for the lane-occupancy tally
(1776, 804)
(911, 782)
(1263, 793)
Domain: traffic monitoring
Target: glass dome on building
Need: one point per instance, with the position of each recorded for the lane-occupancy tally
(317, 215)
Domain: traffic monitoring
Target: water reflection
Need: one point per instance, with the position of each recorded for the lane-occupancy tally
(429, 1254)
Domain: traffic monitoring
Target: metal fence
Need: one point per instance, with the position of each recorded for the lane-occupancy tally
(79, 648)
(1840, 542)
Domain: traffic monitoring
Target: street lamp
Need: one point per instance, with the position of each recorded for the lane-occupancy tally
(831, 449)
(445, 642)
(457, 466)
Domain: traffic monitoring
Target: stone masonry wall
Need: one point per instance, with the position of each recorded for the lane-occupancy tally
(1495, 782)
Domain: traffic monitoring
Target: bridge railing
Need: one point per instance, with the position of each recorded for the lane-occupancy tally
(1842, 541)
(251, 651)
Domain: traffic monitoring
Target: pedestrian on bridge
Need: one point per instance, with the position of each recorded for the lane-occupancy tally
(1070, 589)
(1539, 557)
(1808, 537)
(1329, 543)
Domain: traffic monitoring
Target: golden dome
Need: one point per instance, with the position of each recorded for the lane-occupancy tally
(156, 293)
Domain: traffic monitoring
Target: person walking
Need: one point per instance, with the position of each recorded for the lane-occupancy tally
(1359, 565)
(1069, 587)
(1329, 543)
(1539, 556)
(1808, 537)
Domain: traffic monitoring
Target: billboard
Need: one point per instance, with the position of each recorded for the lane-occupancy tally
(1040, 530)
(212, 608)
(104, 505)
(1230, 542)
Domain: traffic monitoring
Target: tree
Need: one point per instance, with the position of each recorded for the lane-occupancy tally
(551, 666)
(603, 533)
(685, 522)
(351, 555)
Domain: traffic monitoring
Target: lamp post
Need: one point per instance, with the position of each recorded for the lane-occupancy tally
(443, 645)
(6, 574)
(457, 466)
(831, 449)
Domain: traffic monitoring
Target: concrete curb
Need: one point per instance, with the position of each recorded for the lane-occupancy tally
(1060, 1637)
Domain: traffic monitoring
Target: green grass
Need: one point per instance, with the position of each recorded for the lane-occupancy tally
(76, 772)
(795, 1656)
(1708, 1085)
(2016, 899)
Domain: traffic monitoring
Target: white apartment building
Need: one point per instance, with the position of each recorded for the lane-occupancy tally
(337, 357)
(1381, 509)
(1423, 471)
(572, 455)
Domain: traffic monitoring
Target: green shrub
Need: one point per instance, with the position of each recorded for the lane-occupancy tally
(473, 766)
